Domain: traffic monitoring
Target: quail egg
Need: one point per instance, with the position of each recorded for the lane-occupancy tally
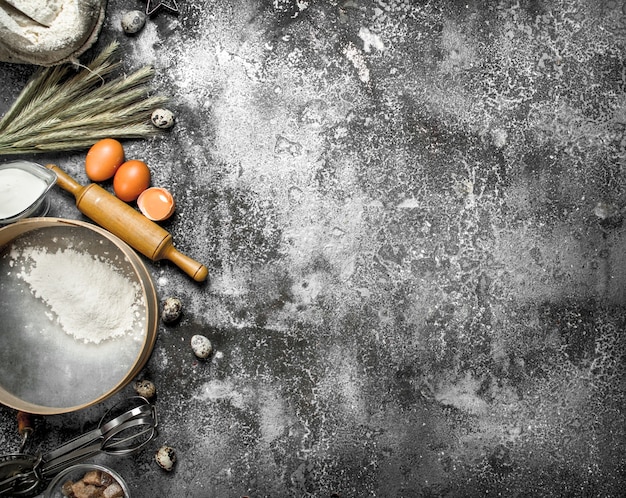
(201, 346)
(166, 458)
(162, 118)
(145, 388)
(133, 21)
(172, 309)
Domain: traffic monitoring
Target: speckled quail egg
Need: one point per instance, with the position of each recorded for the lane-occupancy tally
(201, 346)
(133, 21)
(162, 118)
(172, 309)
(145, 388)
(166, 457)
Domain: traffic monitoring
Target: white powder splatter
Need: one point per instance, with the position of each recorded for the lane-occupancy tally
(215, 390)
(90, 299)
(370, 40)
(358, 61)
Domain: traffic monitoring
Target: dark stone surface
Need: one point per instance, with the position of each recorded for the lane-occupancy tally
(412, 217)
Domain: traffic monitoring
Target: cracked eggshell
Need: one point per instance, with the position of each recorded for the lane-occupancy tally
(166, 458)
(201, 346)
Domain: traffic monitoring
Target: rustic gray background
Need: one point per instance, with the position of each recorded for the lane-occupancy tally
(411, 212)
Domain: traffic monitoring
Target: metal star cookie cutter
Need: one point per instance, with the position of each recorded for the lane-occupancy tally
(154, 6)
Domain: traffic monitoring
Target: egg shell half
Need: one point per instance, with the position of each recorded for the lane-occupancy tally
(156, 203)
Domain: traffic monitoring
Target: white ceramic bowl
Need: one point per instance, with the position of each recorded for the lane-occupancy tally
(37, 205)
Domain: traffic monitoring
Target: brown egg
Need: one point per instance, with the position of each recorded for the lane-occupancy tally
(103, 159)
(131, 179)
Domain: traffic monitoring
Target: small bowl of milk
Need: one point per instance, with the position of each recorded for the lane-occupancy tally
(23, 189)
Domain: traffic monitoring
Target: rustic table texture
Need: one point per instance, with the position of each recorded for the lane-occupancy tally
(412, 218)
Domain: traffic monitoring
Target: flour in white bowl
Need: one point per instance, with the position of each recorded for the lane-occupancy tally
(90, 299)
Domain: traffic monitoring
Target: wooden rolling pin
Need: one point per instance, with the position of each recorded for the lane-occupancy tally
(131, 226)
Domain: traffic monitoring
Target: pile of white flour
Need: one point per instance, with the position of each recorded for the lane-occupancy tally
(89, 298)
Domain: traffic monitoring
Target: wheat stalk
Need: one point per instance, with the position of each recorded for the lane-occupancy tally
(61, 109)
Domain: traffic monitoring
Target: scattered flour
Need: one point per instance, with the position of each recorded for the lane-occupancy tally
(370, 40)
(355, 56)
(216, 390)
(91, 300)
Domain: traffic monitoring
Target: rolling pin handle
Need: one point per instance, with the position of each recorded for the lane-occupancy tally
(65, 181)
(191, 267)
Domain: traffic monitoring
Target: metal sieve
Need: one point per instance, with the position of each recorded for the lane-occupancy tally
(43, 370)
